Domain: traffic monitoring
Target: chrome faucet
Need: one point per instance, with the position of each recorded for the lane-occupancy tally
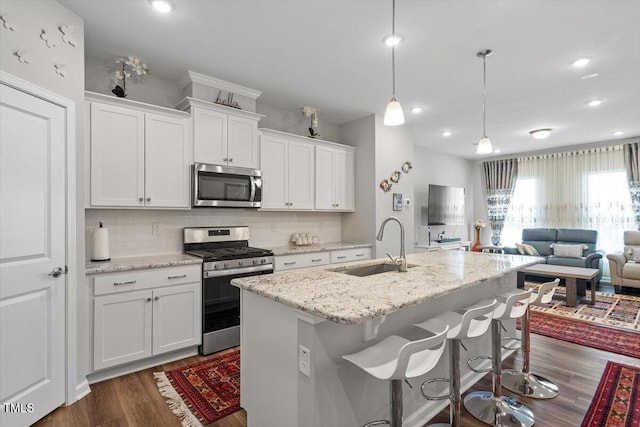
(401, 261)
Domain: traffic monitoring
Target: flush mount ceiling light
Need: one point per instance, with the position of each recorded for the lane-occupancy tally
(393, 115)
(581, 62)
(446, 133)
(392, 39)
(589, 76)
(618, 133)
(484, 146)
(540, 133)
(594, 102)
(162, 6)
(416, 110)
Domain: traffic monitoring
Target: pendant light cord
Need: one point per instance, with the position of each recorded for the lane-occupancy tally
(393, 48)
(484, 96)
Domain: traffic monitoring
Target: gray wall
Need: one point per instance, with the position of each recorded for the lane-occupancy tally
(31, 17)
(432, 167)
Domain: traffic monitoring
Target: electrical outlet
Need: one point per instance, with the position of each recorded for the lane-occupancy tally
(304, 360)
(156, 228)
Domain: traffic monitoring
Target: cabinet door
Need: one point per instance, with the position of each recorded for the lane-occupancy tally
(273, 161)
(122, 328)
(166, 161)
(117, 156)
(324, 178)
(349, 182)
(300, 181)
(209, 137)
(176, 317)
(339, 179)
(243, 142)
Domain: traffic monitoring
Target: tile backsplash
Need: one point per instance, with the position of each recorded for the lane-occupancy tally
(153, 232)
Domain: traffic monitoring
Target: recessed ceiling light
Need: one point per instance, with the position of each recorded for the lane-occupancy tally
(416, 110)
(162, 6)
(392, 40)
(581, 62)
(446, 133)
(496, 151)
(589, 76)
(540, 133)
(618, 133)
(594, 102)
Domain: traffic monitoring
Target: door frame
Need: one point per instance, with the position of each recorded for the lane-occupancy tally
(70, 215)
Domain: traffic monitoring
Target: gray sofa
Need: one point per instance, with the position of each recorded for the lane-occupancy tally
(542, 238)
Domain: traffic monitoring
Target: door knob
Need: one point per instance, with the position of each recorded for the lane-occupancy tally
(57, 272)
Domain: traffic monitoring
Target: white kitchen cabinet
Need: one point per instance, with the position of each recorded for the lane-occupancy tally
(144, 313)
(223, 135)
(287, 172)
(347, 255)
(335, 177)
(140, 154)
(315, 259)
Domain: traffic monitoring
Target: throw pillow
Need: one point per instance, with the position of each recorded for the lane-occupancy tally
(520, 248)
(530, 250)
(568, 251)
(633, 254)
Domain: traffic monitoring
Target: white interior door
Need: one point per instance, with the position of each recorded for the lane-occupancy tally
(33, 229)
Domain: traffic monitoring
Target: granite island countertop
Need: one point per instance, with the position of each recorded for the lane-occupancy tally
(342, 298)
(140, 263)
(316, 247)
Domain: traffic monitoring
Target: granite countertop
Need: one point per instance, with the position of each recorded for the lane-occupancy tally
(140, 263)
(342, 298)
(317, 247)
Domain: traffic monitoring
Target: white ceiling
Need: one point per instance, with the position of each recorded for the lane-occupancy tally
(329, 54)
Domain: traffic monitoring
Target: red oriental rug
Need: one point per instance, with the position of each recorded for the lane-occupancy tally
(617, 399)
(203, 392)
(619, 341)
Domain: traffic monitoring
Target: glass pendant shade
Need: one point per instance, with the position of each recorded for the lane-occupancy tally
(484, 146)
(393, 115)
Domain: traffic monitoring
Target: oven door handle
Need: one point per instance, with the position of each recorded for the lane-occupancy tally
(234, 271)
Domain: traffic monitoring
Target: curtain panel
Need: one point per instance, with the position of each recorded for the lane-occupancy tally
(500, 181)
(632, 165)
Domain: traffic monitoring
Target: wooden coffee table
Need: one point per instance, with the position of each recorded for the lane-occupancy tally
(575, 277)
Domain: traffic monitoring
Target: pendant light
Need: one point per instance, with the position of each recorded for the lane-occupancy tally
(393, 115)
(484, 146)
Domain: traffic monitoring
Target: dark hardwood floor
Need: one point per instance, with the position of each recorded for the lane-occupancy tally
(133, 400)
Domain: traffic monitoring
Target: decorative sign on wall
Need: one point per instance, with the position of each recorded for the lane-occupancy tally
(228, 101)
(397, 201)
(47, 39)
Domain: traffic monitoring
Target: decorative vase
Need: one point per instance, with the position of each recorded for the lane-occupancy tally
(477, 243)
(495, 238)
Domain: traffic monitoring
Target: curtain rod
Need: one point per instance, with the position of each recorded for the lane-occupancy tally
(573, 153)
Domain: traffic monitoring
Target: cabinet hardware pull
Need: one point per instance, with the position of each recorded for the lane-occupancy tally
(342, 257)
(225, 159)
(290, 263)
(182, 276)
(359, 254)
(316, 260)
(156, 298)
(130, 282)
(231, 160)
(149, 299)
(140, 199)
(148, 199)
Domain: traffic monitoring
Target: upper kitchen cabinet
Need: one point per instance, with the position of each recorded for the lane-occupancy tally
(223, 135)
(335, 174)
(302, 174)
(139, 154)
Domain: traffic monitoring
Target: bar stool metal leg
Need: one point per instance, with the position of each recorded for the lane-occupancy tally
(455, 396)
(525, 383)
(494, 408)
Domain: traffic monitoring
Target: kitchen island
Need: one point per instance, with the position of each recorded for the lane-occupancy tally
(296, 325)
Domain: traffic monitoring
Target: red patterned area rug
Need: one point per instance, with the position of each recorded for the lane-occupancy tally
(203, 392)
(617, 399)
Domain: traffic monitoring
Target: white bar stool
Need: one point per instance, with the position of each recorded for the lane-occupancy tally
(523, 382)
(492, 407)
(470, 323)
(396, 358)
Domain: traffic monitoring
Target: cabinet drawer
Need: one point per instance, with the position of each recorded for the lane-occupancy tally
(290, 262)
(111, 283)
(347, 255)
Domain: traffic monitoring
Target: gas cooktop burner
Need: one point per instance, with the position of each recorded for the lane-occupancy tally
(220, 254)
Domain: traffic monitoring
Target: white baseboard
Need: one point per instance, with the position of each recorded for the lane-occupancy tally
(82, 389)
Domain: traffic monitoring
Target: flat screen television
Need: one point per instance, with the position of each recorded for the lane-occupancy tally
(446, 205)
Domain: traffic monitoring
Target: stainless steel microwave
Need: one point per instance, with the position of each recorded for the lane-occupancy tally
(226, 186)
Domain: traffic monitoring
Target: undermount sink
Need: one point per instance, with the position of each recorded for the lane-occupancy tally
(370, 270)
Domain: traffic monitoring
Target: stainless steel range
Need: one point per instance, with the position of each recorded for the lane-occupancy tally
(226, 255)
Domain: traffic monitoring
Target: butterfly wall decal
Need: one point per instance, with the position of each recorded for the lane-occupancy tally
(47, 39)
(7, 22)
(66, 31)
(22, 56)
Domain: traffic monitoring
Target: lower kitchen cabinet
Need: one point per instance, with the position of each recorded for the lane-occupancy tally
(136, 324)
(315, 259)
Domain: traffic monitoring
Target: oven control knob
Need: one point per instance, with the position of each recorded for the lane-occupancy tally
(240, 263)
(215, 266)
(255, 261)
(226, 265)
(263, 261)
